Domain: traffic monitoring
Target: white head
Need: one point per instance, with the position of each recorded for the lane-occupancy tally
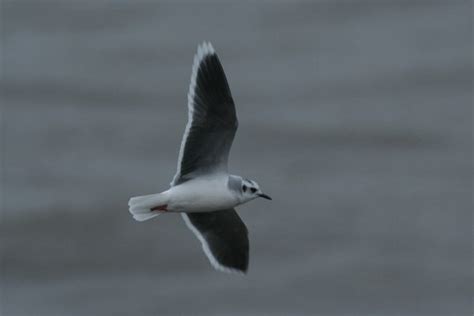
(250, 190)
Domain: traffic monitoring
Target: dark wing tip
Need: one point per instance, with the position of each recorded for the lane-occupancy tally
(231, 269)
(238, 263)
(209, 88)
(227, 251)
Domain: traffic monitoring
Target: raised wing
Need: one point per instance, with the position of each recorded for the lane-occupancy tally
(224, 238)
(212, 121)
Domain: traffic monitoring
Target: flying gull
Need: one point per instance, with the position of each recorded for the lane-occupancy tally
(202, 190)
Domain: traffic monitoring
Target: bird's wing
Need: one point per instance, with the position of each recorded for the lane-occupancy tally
(212, 121)
(224, 238)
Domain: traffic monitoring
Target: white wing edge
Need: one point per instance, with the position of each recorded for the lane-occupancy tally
(206, 249)
(205, 49)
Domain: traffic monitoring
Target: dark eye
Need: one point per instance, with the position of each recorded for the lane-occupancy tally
(253, 190)
(244, 188)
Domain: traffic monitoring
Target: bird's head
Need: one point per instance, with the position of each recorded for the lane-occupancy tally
(250, 190)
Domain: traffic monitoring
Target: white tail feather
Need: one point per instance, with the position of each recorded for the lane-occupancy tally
(144, 217)
(140, 206)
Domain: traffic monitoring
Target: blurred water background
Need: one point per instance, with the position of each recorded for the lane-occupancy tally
(355, 116)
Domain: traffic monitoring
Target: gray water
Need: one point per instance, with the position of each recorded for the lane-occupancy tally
(355, 116)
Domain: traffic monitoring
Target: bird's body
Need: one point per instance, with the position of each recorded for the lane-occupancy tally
(202, 189)
(203, 194)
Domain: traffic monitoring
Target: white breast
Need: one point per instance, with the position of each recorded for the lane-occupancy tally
(202, 195)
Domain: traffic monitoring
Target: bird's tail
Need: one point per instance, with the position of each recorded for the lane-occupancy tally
(145, 207)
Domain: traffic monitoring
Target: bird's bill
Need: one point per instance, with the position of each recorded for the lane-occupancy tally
(264, 196)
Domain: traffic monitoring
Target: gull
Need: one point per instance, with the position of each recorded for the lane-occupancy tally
(202, 190)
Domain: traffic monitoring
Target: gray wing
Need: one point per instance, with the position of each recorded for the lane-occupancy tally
(224, 238)
(212, 121)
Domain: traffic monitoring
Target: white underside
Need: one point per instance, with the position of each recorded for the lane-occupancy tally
(203, 194)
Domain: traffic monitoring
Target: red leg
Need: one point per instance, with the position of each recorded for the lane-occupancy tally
(162, 208)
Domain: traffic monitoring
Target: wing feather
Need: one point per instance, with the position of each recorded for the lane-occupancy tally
(224, 238)
(212, 121)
